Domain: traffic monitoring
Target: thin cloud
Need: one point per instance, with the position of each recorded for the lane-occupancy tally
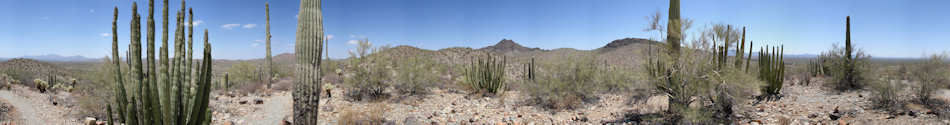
(105, 34)
(230, 26)
(248, 26)
(92, 10)
(255, 44)
(197, 23)
(329, 37)
(352, 42)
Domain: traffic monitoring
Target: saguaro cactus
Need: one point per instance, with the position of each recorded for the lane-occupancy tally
(269, 69)
(529, 70)
(674, 29)
(308, 47)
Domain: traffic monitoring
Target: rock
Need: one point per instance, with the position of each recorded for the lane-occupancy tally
(100, 122)
(242, 102)
(227, 123)
(842, 122)
(258, 101)
(90, 121)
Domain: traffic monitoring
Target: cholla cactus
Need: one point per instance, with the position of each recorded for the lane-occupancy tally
(41, 85)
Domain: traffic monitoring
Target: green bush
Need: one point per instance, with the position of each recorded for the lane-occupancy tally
(369, 73)
(415, 74)
(564, 84)
(847, 74)
(886, 94)
(931, 74)
(243, 73)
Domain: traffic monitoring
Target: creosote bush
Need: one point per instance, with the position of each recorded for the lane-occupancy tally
(370, 76)
(564, 84)
(930, 74)
(415, 74)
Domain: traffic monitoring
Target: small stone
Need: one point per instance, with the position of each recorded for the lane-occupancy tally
(90, 121)
(258, 101)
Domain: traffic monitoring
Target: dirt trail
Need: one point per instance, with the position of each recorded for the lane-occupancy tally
(274, 110)
(25, 111)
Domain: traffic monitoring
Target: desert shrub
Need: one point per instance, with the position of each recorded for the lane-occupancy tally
(485, 75)
(374, 115)
(614, 79)
(243, 73)
(369, 73)
(847, 74)
(415, 74)
(886, 94)
(931, 74)
(95, 90)
(564, 84)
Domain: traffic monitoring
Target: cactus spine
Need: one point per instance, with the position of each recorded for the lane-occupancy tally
(309, 42)
(270, 65)
(153, 102)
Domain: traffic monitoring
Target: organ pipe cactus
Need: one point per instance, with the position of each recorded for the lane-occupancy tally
(155, 102)
(308, 48)
(486, 75)
(772, 70)
(529, 70)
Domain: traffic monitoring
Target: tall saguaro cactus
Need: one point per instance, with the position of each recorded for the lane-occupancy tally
(674, 31)
(269, 69)
(308, 47)
(154, 101)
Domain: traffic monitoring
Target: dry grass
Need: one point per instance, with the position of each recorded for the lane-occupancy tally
(373, 115)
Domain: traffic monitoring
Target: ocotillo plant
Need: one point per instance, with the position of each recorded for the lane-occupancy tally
(772, 70)
(151, 105)
(308, 48)
(268, 69)
(486, 75)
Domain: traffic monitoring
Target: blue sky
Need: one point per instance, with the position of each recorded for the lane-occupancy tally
(883, 28)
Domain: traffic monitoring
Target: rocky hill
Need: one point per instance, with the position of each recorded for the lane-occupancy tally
(507, 46)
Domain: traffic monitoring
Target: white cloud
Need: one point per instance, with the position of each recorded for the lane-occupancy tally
(255, 44)
(329, 37)
(197, 23)
(258, 41)
(230, 26)
(352, 42)
(105, 34)
(248, 26)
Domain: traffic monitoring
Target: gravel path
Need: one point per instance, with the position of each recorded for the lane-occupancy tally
(25, 110)
(33, 108)
(274, 110)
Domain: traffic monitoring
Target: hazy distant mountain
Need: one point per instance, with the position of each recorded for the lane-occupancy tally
(59, 58)
(508, 46)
